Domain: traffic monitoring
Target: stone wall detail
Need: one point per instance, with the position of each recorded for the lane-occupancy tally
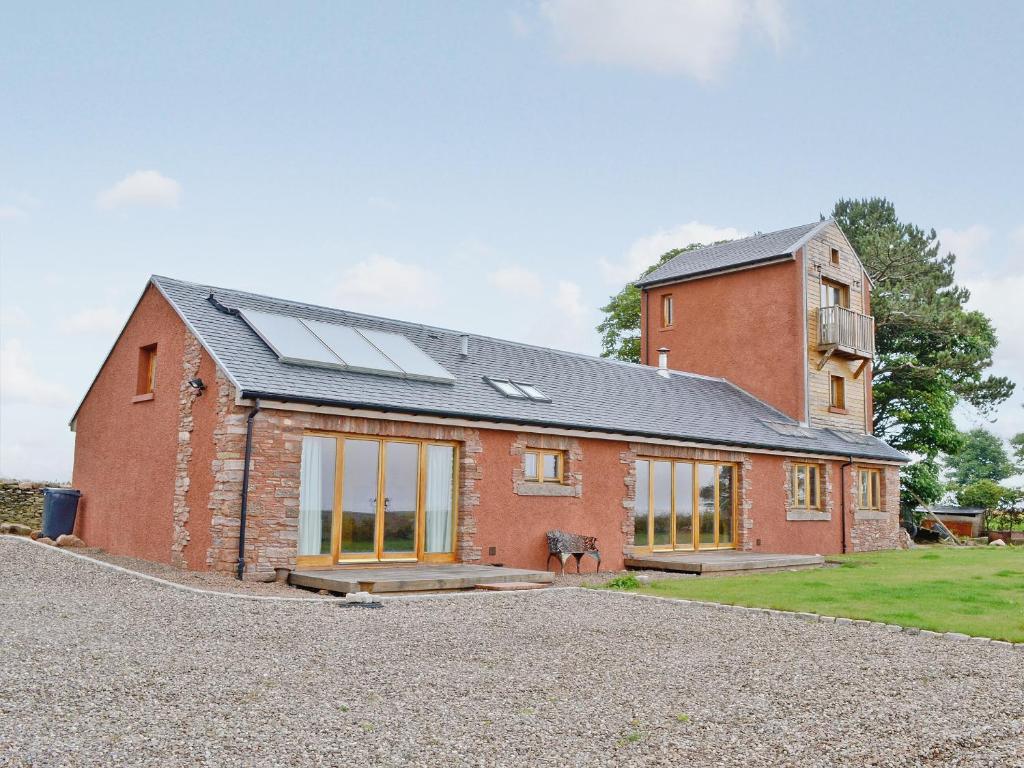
(572, 475)
(878, 528)
(186, 397)
(274, 479)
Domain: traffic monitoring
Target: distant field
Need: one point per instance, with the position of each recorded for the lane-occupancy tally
(976, 590)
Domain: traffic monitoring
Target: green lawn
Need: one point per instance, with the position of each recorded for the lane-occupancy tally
(977, 590)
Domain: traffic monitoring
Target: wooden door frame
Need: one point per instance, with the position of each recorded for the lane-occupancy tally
(337, 557)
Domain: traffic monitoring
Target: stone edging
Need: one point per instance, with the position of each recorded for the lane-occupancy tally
(819, 618)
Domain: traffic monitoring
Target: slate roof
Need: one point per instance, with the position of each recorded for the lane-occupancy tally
(747, 251)
(589, 393)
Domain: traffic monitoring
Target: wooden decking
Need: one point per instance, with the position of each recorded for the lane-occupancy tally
(721, 562)
(413, 577)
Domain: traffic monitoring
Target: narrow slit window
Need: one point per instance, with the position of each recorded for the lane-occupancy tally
(837, 390)
(667, 311)
(544, 466)
(146, 381)
(835, 256)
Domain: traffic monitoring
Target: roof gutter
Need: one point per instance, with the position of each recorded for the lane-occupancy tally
(325, 402)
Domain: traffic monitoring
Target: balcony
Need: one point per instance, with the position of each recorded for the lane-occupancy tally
(846, 333)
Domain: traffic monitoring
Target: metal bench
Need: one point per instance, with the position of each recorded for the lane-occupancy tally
(564, 545)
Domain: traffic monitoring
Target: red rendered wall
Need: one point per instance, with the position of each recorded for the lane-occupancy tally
(515, 525)
(745, 326)
(125, 452)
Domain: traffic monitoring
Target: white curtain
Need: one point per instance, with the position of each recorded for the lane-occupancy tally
(311, 496)
(440, 472)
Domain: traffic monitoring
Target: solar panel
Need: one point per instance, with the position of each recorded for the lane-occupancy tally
(290, 340)
(414, 361)
(353, 349)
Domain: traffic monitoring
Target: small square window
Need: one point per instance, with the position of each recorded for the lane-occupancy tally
(837, 392)
(806, 486)
(543, 466)
(835, 256)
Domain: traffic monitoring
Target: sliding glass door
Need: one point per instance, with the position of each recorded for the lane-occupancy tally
(364, 499)
(683, 505)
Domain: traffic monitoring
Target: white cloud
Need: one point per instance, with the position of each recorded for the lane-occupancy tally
(383, 285)
(19, 382)
(696, 38)
(647, 250)
(142, 188)
(94, 320)
(11, 212)
(516, 281)
(13, 317)
(968, 245)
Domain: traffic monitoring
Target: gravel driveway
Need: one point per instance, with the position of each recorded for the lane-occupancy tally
(101, 668)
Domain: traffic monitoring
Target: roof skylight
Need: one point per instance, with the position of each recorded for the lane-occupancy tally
(517, 389)
(329, 345)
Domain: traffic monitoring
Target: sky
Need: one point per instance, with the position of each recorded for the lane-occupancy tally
(500, 168)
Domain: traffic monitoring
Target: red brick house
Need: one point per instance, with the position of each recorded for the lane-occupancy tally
(372, 440)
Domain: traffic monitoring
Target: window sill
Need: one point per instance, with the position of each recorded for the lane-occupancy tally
(833, 409)
(143, 398)
(666, 328)
(807, 514)
(527, 488)
(870, 514)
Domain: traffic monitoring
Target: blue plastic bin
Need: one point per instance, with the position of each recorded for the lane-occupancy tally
(60, 505)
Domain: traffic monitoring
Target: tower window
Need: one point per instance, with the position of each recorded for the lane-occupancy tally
(837, 393)
(835, 256)
(666, 311)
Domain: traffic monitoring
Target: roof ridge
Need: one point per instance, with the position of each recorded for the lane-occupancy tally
(527, 345)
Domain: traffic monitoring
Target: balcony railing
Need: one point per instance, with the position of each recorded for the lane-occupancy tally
(845, 332)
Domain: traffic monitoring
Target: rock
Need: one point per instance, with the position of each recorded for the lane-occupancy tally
(997, 543)
(643, 579)
(35, 534)
(69, 540)
(264, 577)
(19, 530)
(359, 597)
(46, 540)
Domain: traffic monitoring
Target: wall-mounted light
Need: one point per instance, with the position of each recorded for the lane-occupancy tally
(198, 385)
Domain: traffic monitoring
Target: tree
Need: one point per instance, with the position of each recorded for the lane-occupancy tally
(620, 329)
(920, 483)
(1017, 444)
(931, 352)
(982, 456)
(986, 494)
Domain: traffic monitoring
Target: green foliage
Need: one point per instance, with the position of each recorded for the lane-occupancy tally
(920, 480)
(625, 581)
(982, 456)
(931, 350)
(1017, 444)
(620, 329)
(986, 494)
